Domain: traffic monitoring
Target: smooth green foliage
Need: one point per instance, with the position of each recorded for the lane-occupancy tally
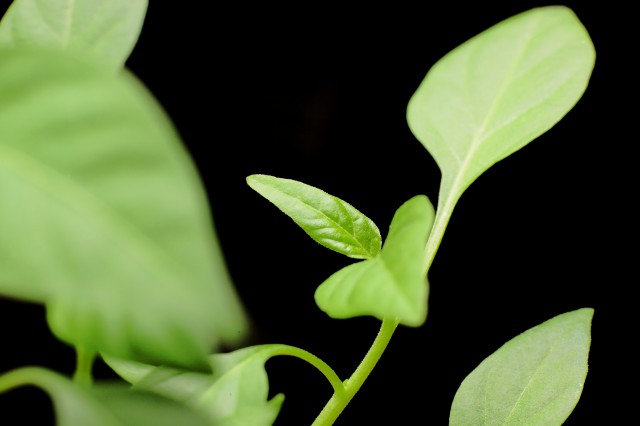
(235, 394)
(534, 379)
(327, 219)
(390, 285)
(497, 92)
(106, 30)
(104, 218)
(103, 405)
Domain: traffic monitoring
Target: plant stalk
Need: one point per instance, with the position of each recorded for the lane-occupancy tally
(340, 400)
(84, 365)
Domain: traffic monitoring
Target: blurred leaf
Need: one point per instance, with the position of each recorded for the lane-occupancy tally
(106, 30)
(328, 220)
(392, 284)
(495, 93)
(102, 405)
(103, 216)
(534, 379)
(235, 394)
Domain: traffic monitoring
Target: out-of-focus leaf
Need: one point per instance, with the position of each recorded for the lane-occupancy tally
(235, 394)
(534, 379)
(327, 219)
(102, 405)
(103, 217)
(106, 30)
(392, 284)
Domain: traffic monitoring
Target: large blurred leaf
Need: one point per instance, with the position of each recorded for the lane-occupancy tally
(492, 95)
(107, 30)
(235, 394)
(534, 379)
(103, 216)
(102, 405)
(390, 285)
(327, 219)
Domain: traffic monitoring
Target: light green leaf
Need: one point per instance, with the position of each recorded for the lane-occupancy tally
(106, 30)
(534, 379)
(101, 405)
(492, 95)
(391, 285)
(328, 220)
(235, 394)
(103, 217)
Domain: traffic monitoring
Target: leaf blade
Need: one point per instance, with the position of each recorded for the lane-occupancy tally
(104, 219)
(392, 284)
(329, 221)
(536, 378)
(498, 91)
(235, 394)
(102, 404)
(106, 30)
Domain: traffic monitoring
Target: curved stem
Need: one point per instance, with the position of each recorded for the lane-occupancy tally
(340, 400)
(18, 377)
(322, 366)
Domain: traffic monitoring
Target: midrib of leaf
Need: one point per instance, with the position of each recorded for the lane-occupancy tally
(66, 25)
(336, 225)
(51, 181)
(446, 204)
(535, 373)
(68, 21)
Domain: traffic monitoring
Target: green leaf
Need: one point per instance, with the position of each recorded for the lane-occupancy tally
(391, 285)
(103, 217)
(497, 92)
(106, 30)
(328, 220)
(235, 394)
(534, 379)
(102, 405)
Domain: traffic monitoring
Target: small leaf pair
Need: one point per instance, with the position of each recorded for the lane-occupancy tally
(390, 283)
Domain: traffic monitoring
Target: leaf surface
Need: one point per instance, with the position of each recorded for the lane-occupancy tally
(235, 394)
(327, 219)
(534, 379)
(106, 30)
(497, 92)
(390, 285)
(103, 404)
(103, 217)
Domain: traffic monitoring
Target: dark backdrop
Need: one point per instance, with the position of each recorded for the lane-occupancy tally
(318, 93)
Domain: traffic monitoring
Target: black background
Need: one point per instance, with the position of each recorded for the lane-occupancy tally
(318, 93)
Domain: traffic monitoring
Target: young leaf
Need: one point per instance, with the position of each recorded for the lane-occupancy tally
(534, 379)
(497, 92)
(102, 405)
(392, 284)
(103, 217)
(328, 220)
(235, 394)
(106, 30)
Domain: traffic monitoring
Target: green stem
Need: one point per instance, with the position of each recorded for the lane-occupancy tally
(84, 365)
(18, 377)
(323, 367)
(340, 400)
(443, 214)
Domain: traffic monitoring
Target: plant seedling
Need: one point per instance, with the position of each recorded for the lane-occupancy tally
(104, 221)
